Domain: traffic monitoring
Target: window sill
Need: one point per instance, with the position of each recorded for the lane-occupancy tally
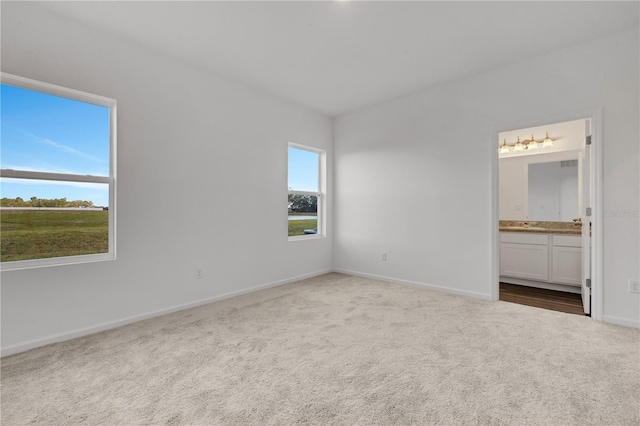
(307, 237)
(55, 261)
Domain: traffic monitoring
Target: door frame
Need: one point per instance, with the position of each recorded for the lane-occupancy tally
(596, 116)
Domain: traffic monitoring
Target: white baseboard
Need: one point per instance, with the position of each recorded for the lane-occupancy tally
(416, 284)
(538, 284)
(85, 331)
(621, 321)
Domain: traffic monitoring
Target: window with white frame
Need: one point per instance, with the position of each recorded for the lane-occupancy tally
(305, 198)
(57, 175)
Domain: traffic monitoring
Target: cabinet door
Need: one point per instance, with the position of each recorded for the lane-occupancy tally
(567, 265)
(526, 261)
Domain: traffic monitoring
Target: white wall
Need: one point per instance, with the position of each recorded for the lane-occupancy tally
(202, 183)
(414, 175)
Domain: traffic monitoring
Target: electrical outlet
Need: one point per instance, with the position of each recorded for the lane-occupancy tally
(199, 274)
(384, 257)
(634, 286)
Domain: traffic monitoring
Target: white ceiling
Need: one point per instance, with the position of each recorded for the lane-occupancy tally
(339, 56)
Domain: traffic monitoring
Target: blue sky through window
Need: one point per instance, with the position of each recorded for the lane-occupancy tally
(303, 170)
(47, 133)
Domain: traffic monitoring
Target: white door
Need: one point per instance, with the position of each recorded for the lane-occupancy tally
(586, 220)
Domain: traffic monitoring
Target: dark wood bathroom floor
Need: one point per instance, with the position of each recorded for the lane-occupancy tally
(541, 298)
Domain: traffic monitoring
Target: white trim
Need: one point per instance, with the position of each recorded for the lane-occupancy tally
(305, 148)
(306, 237)
(449, 290)
(59, 209)
(494, 235)
(597, 216)
(539, 284)
(52, 89)
(26, 174)
(55, 261)
(312, 193)
(627, 322)
(85, 331)
(113, 147)
(596, 116)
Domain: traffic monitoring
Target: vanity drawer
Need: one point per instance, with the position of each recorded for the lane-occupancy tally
(522, 238)
(567, 240)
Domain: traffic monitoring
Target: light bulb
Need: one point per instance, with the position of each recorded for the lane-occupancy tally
(518, 146)
(504, 148)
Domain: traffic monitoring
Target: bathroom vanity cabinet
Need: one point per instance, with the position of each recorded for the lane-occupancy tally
(552, 261)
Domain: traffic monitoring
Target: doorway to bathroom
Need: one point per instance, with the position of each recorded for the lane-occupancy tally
(546, 190)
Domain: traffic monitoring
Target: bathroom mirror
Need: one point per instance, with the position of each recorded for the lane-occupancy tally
(553, 191)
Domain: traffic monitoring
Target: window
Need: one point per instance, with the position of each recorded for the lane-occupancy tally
(306, 195)
(57, 175)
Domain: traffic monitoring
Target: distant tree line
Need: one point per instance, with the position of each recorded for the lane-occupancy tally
(39, 202)
(303, 203)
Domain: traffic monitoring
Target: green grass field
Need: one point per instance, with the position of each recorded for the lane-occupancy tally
(38, 234)
(297, 227)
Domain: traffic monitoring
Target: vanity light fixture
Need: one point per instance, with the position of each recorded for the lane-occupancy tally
(525, 145)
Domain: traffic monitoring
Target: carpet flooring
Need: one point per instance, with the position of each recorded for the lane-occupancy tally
(335, 349)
